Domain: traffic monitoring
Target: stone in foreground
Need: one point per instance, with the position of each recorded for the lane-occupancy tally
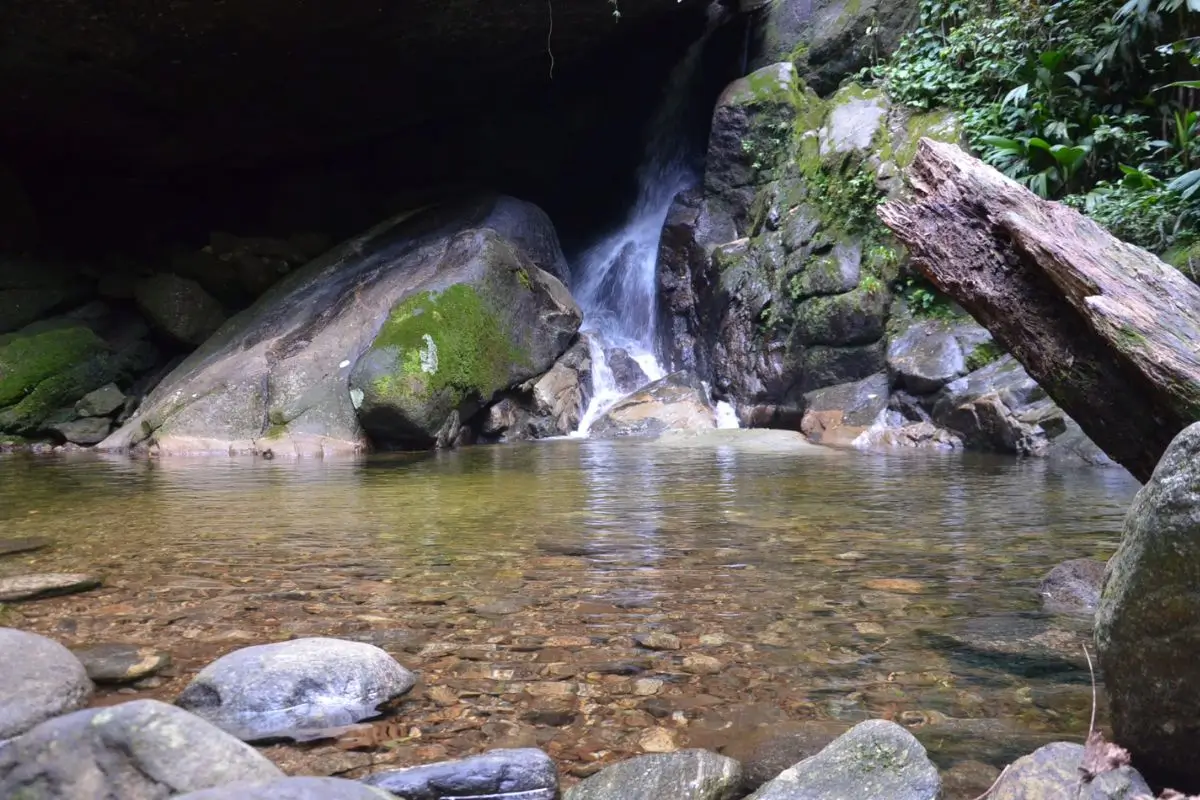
(1052, 772)
(684, 775)
(1148, 623)
(1073, 587)
(517, 774)
(39, 679)
(303, 788)
(121, 663)
(49, 584)
(290, 689)
(874, 759)
(143, 750)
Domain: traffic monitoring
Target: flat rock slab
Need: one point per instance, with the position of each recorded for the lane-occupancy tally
(121, 663)
(141, 750)
(295, 689)
(10, 547)
(517, 774)
(1052, 772)
(49, 584)
(302, 788)
(39, 679)
(683, 775)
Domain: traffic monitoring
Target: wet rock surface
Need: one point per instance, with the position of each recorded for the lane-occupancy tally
(293, 689)
(690, 774)
(1026, 644)
(29, 544)
(777, 747)
(873, 759)
(142, 750)
(41, 679)
(121, 663)
(516, 774)
(677, 402)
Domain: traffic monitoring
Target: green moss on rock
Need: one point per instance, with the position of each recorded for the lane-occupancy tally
(446, 341)
(27, 361)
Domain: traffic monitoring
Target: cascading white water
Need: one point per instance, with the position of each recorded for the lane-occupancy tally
(618, 286)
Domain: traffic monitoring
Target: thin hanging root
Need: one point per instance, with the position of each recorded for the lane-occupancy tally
(549, 34)
(1092, 672)
(995, 783)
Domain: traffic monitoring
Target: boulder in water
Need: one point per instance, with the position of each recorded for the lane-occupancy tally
(875, 759)
(1148, 622)
(676, 402)
(550, 405)
(141, 750)
(514, 774)
(839, 414)
(395, 338)
(121, 663)
(685, 775)
(86, 431)
(41, 679)
(1073, 586)
(292, 689)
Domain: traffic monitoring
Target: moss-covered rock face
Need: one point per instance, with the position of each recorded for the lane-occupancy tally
(392, 339)
(443, 354)
(44, 372)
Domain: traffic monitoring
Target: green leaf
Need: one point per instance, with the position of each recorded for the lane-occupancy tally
(1000, 143)
(1186, 184)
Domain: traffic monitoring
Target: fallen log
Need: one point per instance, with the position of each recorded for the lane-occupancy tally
(1111, 332)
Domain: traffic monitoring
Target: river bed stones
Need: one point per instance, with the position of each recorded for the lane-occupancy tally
(50, 584)
(300, 788)
(520, 774)
(684, 775)
(1025, 644)
(1073, 587)
(142, 750)
(10, 547)
(121, 663)
(295, 689)
(874, 759)
(39, 679)
(1052, 772)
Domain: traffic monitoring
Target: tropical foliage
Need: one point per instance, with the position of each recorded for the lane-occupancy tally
(1093, 103)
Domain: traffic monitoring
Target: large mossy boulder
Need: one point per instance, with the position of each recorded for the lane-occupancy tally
(1148, 623)
(41, 373)
(393, 339)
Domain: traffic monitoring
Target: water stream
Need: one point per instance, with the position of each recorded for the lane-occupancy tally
(806, 591)
(618, 290)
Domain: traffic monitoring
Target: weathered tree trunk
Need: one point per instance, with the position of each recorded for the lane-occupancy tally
(1111, 332)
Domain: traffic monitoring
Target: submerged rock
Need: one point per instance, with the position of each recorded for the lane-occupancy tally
(28, 544)
(290, 689)
(142, 750)
(300, 788)
(1052, 772)
(516, 774)
(683, 775)
(1025, 644)
(874, 759)
(121, 663)
(398, 336)
(1073, 586)
(1148, 622)
(779, 746)
(49, 584)
(677, 402)
(40, 679)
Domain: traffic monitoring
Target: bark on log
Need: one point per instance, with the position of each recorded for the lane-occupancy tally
(1111, 332)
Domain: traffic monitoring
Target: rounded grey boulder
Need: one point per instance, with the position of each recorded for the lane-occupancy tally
(1073, 587)
(873, 759)
(40, 679)
(1052, 772)
(684, 775)
(521, 774)
(142, 750)
(290, 689)
(304, 788)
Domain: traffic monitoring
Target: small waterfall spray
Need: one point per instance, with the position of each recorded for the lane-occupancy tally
(618, 291)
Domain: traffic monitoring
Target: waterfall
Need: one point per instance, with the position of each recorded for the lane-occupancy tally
(618, 285)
